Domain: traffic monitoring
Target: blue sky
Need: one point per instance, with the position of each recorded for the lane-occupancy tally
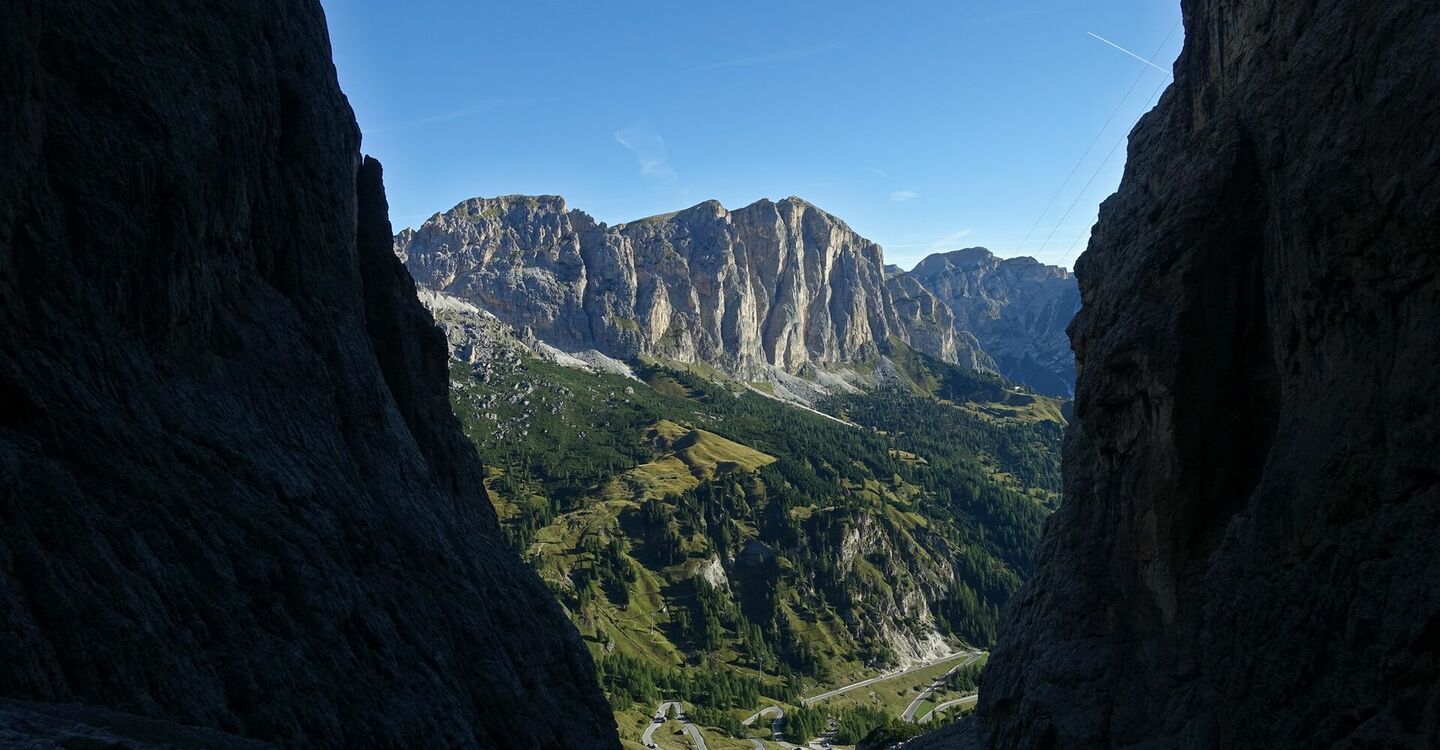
(927, 128)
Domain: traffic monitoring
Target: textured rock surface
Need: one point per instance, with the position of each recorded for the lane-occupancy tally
(775, 284)
(1247, 554)
(1017, 309)
(961, 734)
(233, 493)
(43, 726)
(931, 327)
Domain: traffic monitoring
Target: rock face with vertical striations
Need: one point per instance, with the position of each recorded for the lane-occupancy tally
(1017, 309)
(930, 325)
(771, 285)
(1247, 555)
(232, 492)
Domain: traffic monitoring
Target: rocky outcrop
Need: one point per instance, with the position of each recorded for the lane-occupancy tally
(1016, 308)
(234, 496)
(893, 577)
(930, 326)
(1246, 556)
(480, 340)
(772, 285)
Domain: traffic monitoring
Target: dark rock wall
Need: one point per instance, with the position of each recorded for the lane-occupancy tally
(1247, 555)
(232, 494)
(46, 726)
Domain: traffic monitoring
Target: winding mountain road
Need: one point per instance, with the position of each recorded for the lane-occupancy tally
(969, 657)
(779, 714)
(967, 700)
(690, 728)
(778, 711)
(909, 714)
(807, 702)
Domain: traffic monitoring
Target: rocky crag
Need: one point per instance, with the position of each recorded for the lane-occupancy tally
(774, 285)
(1246, 556)
(232, 492)
(1016, 309)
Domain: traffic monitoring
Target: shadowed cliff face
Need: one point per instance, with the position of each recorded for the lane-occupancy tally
(1247, 554)
(233, 492)
(69, 726)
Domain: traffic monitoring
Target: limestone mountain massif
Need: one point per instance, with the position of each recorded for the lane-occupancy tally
(772, 287)
(1016, 309)
(235, 504)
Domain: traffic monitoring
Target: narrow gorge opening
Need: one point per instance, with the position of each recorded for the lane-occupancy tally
(764, 472)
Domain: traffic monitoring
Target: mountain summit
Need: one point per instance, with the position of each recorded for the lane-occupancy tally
(774, 286)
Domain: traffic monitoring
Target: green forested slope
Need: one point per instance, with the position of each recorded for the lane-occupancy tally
(714, 543)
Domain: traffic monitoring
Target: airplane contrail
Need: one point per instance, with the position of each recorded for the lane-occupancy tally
(1128, 52)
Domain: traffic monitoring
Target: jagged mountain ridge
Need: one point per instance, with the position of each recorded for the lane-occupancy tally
(774, 285)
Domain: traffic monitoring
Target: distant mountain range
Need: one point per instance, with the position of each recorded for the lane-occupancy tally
(766, 292)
